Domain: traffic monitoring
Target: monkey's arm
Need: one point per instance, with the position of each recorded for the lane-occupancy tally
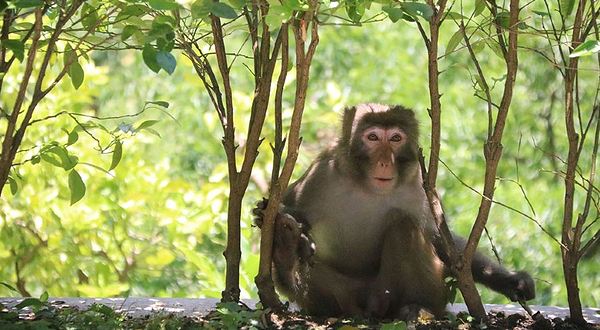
(516, 285)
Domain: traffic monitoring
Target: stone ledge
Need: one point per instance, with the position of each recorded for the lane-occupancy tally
(139, 306)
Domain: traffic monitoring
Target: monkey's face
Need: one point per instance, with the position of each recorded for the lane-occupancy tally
(383, 145)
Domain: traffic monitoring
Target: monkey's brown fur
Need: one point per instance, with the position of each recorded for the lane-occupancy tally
(376, 247)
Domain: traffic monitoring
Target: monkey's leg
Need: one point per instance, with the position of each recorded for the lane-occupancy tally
(332, 293)
(516, 285)
(411, 273)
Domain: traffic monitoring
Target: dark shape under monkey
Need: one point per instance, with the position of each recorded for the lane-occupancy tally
(355, 236)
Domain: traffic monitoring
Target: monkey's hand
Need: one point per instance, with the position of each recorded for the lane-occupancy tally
(259, 212)
(518, 286)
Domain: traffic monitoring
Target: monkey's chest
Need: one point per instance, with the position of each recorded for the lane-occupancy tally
(349, 235)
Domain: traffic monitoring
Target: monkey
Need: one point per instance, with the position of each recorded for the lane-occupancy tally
(376, 249)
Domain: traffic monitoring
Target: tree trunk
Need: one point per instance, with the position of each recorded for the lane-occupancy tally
(233, 253)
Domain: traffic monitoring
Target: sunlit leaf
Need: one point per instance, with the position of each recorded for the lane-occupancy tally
(76, 186)
(147, 124)
(587, 48)
(44, 296)
(162, 258)
(166, 61)
(163, 4)
(223, 10)
(116, 155)
(59, 157)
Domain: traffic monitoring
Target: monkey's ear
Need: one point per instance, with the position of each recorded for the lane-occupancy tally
(347, 122)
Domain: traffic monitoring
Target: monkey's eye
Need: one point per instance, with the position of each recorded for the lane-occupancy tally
(372, 137)
(396, 138)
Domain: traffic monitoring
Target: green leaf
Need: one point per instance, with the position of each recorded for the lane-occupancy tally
(296, 4)
(277, 15)
(201, 8)
(149, 56)
(16, 46)
(355, 11)
(456, 16)
(10, 287)
(76, 186)
(76, 73)
(453, 42)
(70, 55)
(132, 11)
(89, 16)
(587, 48)
(59, 157)
(14, 187)
(239, 4)
(116, 156)
(400, 325)
(73, 137)
(541, 13)
(28, 3)
(415, 9)
(102, 309)
(163, 4)
(479, 7)
(566, 7)
(153, 132)
(395, 14)
(163, 104)
(30, 302)
(223, 10)
(147, 124)
(166, 61)
(503, 19)
(44, 296)
(128, 31)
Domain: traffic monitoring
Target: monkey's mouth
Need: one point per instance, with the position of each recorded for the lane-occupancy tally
(383, 181)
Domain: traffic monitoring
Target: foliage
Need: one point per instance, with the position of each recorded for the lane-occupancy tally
(154, 226)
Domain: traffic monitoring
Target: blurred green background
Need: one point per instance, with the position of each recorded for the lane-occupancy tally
(156, 228)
